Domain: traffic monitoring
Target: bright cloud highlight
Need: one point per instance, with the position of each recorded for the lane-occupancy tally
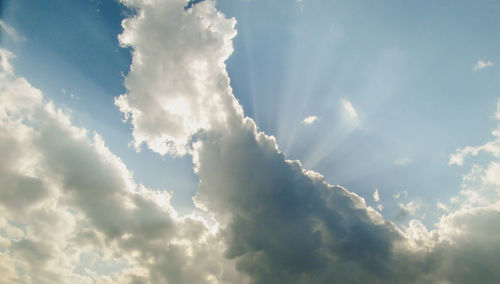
(350, 111)
(482, 64)
(309, 120)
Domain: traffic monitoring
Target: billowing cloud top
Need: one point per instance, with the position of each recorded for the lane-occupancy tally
(70, 207)
(176, 88)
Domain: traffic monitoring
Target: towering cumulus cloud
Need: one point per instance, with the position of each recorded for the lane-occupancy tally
(177, 84)
(280, 222)
(71, 211)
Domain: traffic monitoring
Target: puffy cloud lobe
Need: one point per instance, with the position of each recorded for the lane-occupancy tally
(309, 120)
(177, 84)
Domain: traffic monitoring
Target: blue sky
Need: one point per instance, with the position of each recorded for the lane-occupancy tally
(392, 90)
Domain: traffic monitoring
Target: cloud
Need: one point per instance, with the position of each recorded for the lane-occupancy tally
(10, 31)
(442, 206)
(398, 195)
(309, 120)
(375, 196)
(350, 111)
(191, 3)
(65, 198)
(176, 88)
(271, 220)
(492, 147)
(408, 209)
(402, 161)
(482, 64)
(280, 222)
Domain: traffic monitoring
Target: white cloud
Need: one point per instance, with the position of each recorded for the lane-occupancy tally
(400, 194)
(442, 206)
(10, 31)
(177, 88)
(350, 111)
(482, 64)
(409, 208)
(309, 120)
(6, 68)
(376, 196)
(492, 147)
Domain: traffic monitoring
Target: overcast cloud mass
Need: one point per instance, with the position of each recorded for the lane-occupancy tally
(71, 211)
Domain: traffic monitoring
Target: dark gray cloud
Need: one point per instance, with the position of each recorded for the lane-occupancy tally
(284, 224)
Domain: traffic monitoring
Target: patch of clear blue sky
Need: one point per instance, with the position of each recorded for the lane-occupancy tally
(405, 66)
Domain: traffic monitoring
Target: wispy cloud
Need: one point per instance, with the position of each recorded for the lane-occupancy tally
(11, 31)
(482, 64)
(350, 111)
(402, 161)
(376, 196)
(408, 209)
(403, 193)
(309, 120)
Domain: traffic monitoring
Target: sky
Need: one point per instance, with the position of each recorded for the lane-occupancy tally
(249, 141)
